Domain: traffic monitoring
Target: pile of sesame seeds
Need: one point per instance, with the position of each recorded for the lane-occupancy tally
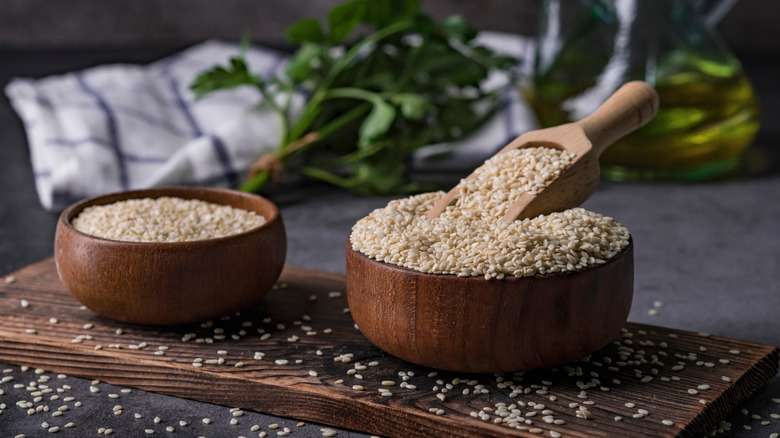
(165, 219)
(468, 239)
(503, 178)
(400, 234)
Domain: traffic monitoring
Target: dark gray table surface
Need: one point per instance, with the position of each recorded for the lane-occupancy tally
(710, 252)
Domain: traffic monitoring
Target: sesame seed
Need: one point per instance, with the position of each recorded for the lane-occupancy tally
(164, 219)
(462, 250)
(668, 422)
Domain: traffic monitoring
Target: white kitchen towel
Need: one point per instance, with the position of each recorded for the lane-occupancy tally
(119, 127)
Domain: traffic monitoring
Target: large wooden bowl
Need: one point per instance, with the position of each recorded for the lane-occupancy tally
(172, 282)
(469, 324)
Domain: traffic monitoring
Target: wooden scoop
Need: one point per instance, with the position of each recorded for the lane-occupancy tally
(629, 108)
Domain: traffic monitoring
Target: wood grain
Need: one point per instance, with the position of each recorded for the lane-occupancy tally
(470, 324)
(289, 390)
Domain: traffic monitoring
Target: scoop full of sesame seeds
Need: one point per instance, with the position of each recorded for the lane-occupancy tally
(165, 219)
(469, 240)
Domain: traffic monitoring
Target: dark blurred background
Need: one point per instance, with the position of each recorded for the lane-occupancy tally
(751, 26)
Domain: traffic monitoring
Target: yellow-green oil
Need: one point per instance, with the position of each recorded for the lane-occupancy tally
(707, 117)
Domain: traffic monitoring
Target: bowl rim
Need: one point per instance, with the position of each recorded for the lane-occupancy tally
(74, 209)
(481, 278)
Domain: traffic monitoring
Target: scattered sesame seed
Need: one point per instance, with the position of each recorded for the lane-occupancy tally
(668, 422)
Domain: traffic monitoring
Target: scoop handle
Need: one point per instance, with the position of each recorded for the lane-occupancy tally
(629, 108)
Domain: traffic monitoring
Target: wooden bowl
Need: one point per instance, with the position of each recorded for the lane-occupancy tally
(469, 324)
(172, 282)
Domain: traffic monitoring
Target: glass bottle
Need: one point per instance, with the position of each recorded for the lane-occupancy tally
(708, 111)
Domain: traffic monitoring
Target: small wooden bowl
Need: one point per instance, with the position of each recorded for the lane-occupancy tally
(172, 282)
(469, 324)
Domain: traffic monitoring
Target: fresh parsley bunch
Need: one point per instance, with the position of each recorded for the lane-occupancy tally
(382, 80)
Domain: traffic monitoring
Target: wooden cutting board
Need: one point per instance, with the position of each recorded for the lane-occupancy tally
(313, 359)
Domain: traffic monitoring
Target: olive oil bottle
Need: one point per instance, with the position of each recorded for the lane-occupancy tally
(708, 112)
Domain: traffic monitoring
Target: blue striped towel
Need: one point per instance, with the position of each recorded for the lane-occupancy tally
(119, 127)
